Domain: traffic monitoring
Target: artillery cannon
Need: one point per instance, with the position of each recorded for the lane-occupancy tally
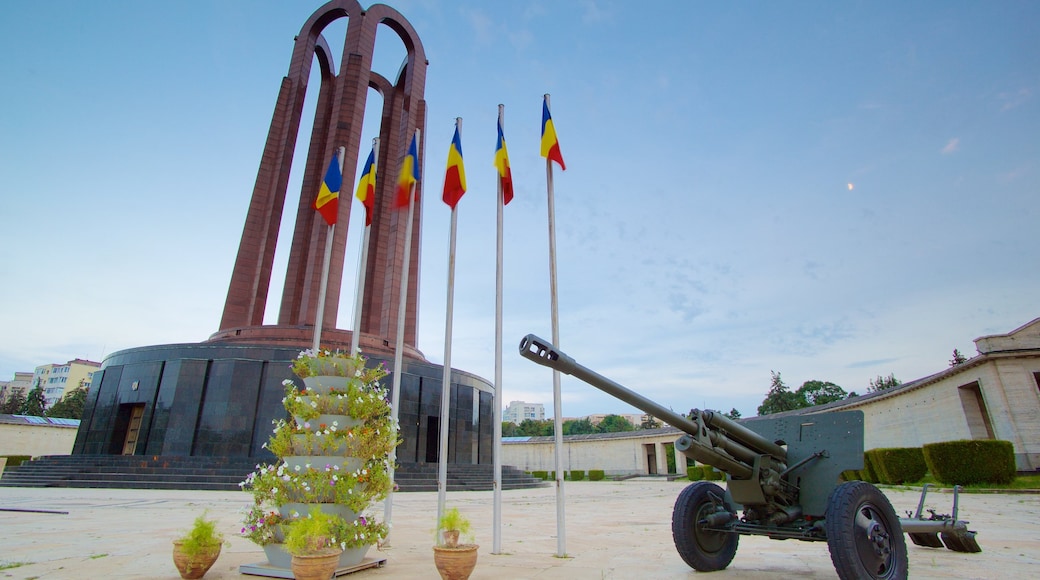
(783, 473)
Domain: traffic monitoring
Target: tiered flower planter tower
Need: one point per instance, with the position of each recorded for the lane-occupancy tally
(333, 451)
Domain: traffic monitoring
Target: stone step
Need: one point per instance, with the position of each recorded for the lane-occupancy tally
(223, 473)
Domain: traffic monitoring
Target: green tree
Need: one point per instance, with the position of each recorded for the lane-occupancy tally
(532, 428)
(35, 403)
(615, 424)
(510, 429)
(649, 422)
(958, 358)
(733, 414)
(578, 427)
(780, 398)
(13, 403)
(819, 392)
(882, 383)
(71, 405)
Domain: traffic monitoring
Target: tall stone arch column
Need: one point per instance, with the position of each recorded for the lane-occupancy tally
(339, 117)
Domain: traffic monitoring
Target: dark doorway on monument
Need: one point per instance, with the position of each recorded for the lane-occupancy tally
(433, 433)
(128, 429)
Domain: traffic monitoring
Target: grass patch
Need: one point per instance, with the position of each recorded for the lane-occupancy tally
(96, 556)
(10, 565)
(1020, 482)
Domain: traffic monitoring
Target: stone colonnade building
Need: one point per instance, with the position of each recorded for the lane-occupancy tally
(993, 395)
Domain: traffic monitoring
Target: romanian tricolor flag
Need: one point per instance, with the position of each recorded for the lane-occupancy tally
(505, 174)
(455, 176)
(550, 144)
(408, 176)
(366, 187)
(327, 202)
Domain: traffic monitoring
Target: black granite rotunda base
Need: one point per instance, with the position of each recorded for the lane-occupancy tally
(219, 400)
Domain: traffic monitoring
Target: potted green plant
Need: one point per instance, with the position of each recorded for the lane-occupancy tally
(312, 542)
(454, 561)
(195, 552)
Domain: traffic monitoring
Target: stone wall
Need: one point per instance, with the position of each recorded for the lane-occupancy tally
(614, 453)
(36, 440)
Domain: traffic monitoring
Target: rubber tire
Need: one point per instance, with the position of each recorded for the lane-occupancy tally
(854, 510)
(702, 550)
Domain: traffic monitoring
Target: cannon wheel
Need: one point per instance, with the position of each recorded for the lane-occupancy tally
(703, 550)
(864, 535)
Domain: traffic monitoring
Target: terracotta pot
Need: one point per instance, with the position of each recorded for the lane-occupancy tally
(194, 568)
(455, 563)
(315, 566)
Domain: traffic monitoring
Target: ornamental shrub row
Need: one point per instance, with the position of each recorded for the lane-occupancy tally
(898, 465)
(703, 472)
(950, 462)
(573, 475)
(971, 461)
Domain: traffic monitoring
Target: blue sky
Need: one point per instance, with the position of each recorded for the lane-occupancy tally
(832, 191)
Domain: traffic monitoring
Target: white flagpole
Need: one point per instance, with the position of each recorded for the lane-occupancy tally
(319, 315)
(442, 456)
(395, 396)
(497, 427)
(355, 337)
(561, 528)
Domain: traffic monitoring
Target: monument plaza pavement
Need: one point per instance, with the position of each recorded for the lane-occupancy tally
(617, 530)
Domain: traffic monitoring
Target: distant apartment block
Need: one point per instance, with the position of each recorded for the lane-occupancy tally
(22, 383)
(59, 379)
(518, 411)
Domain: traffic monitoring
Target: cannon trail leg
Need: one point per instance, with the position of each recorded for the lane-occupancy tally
(926, 539)
(703, 549)
(864, 535)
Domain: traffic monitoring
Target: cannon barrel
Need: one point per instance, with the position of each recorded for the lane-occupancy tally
(544, 353)
(711, 438)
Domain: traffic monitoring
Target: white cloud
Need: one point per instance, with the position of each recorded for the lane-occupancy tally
(951, 146)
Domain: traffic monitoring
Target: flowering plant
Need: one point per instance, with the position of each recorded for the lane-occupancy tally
(360, 532)
(324, 362)
(339, 440)
(360, 400)
(356, 489)
(371, 440)
(260, 525)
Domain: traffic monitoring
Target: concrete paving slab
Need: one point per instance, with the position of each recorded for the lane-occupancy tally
(614, 530)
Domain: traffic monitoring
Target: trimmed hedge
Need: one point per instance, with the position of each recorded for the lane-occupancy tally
(695, 473)
(868, 474)
(543, 475)
(13, 460)
(577, 475)
(596, 475)
(898, 465)
(971, 461)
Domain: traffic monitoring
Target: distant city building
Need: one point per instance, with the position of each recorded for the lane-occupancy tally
(22, 383)
(518, 411)
(59, 379)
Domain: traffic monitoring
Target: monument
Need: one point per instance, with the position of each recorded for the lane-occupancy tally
(217, 398)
